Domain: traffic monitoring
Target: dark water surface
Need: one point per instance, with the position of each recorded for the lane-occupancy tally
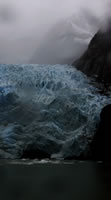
(46, 180)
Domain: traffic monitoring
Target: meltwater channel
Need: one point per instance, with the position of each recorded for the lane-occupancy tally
(47, 111)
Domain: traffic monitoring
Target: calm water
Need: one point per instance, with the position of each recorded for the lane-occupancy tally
(46, 180)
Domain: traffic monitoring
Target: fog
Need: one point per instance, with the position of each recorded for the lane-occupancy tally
(29, 28)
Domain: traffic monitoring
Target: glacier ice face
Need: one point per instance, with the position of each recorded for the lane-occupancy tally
(48, 108)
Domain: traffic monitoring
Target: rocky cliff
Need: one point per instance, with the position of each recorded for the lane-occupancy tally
(96, 61)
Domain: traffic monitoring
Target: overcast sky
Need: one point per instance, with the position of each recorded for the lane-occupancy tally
(24, 23)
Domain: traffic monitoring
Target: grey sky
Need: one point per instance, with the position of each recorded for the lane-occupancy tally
(25, 23)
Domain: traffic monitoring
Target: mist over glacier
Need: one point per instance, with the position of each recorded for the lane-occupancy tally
(30, 27)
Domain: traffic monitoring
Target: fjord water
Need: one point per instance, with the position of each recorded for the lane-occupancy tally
(48, 108)
(78, 180)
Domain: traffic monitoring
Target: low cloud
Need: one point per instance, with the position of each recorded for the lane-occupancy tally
(26, 23)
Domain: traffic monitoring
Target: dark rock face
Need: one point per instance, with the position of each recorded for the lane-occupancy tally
(96, 61)
(101, 145)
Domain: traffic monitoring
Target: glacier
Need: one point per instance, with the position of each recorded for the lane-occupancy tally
(47, 110)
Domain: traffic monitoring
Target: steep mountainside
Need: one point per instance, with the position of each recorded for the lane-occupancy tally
(96, 61)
